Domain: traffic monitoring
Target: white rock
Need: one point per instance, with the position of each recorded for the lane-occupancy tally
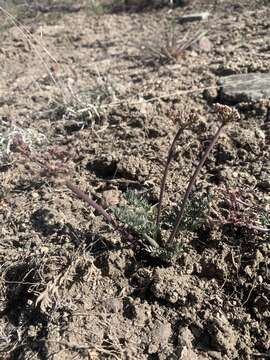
(195, 17)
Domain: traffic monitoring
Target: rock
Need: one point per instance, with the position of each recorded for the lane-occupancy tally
(244, 88)
(194, 17)
(110, 198)
(185, 338)
(205, 44)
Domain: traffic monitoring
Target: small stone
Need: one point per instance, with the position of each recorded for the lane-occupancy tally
(110, 197)
(205, 44)
(194, 17)
(249, 271)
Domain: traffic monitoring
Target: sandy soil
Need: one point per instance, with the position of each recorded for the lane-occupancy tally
(98, 86)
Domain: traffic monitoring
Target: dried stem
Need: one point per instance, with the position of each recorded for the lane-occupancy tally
(75, 189)
(165, 174)
(258, 228)
(192, 182)
(83, 196)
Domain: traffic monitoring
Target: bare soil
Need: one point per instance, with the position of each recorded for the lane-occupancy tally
(71, 288)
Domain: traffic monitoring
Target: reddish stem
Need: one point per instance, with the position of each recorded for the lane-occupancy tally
(165, 174)
(83, 196)
(192, 182)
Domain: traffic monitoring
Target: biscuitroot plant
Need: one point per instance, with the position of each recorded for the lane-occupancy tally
(136, 220)
(226, 115)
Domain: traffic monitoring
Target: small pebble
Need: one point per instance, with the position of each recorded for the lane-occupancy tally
(194, 17)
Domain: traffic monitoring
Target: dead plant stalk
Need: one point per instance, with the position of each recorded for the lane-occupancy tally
(56, 172)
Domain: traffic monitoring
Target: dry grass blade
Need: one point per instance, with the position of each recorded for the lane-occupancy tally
(169, 48)
(32, 40)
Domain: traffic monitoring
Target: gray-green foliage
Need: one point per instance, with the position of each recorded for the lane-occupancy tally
(140, 218)
(137, 214)
(264, 218)
(194, 217)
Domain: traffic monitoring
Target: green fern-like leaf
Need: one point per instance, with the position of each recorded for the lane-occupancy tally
(137, 214)
(194, 217)
(264, 218)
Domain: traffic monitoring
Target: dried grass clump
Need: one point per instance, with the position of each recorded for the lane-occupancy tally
(169, 47)
(35, 288)
(79, 267)
(12, 134)
(87, 107)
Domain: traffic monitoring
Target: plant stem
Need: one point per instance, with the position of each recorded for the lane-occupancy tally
(83, 196)
(258, 228)
(165, 174)
(192, 182)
